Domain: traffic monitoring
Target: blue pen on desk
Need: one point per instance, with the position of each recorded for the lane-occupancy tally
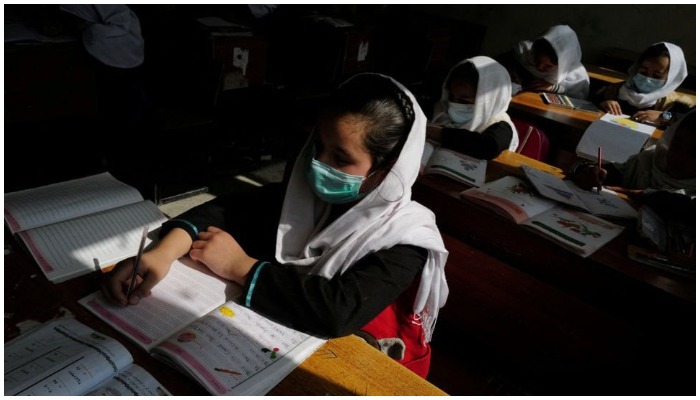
(137, 261)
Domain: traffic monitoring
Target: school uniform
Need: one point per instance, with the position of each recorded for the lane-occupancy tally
(663, 99)
(647, 170)
(491, 130)
(571, 77)
(377, 268)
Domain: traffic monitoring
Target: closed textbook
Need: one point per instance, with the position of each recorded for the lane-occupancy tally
(518, 201)
(193, 321)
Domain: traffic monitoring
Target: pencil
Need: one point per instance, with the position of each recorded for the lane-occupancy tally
(137, 261)
(600, 167)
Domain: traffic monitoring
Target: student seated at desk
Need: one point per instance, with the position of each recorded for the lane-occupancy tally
(342, 247)
(550, 63)
(664, 172)
(649, 90)
(471, 115)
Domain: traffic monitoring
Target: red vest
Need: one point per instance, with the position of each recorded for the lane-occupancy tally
(399, 321)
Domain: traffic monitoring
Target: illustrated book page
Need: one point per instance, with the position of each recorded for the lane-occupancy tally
(606, 203)
(65, 357)
(579, 232)
(511, 197)
(460, 167)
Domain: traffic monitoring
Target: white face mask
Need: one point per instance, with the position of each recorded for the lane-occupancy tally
(460, 113)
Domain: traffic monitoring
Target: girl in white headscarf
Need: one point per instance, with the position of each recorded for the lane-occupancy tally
(669, 166)
(649, 90)
(349, 250)
(471, 115)
(552, 63)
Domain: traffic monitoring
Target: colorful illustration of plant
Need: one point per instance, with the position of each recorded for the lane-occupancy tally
(467, 165)
(519, 188)
(576, 227)
(606, 203)
(273, 352)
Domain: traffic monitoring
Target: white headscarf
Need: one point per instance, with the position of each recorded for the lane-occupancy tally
(648, 168)
(493, 94)
(571, 74)
(385, 217)
(677, 71)
(113, 35)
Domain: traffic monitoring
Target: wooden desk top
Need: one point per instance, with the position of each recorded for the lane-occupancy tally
(530, 102)
(509, 163)
(342, 366)
(605, 74)
(348, 366)
(442, 196)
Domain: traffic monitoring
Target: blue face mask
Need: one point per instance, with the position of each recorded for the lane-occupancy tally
(646, 84)
(460, 113)
(331, 185)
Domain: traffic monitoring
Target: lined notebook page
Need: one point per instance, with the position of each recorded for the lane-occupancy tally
(187, 292)
(30, 208)
(79, 246)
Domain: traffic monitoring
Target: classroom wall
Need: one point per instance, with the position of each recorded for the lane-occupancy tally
(629, 26)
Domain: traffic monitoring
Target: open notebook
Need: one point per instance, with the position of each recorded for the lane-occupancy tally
(460, 167)
(193, 322)
(63, 357)
(76, 227)
(518, 201)
(604, 204)
(617, 135)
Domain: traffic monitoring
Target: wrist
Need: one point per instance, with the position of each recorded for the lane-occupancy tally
(242, 273)
(579, 166)
(173, 245)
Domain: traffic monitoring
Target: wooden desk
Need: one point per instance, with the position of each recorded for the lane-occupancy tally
(510, 163)
(605, 75)
(342, 366)
(656, 304)
(432, 189)
(530, 105)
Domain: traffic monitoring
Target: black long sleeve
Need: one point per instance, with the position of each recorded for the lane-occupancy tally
(311, 303)
(486, 145)
(338, 306)
(251, 218)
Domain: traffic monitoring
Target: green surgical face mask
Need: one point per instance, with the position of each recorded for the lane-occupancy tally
(331, 185)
